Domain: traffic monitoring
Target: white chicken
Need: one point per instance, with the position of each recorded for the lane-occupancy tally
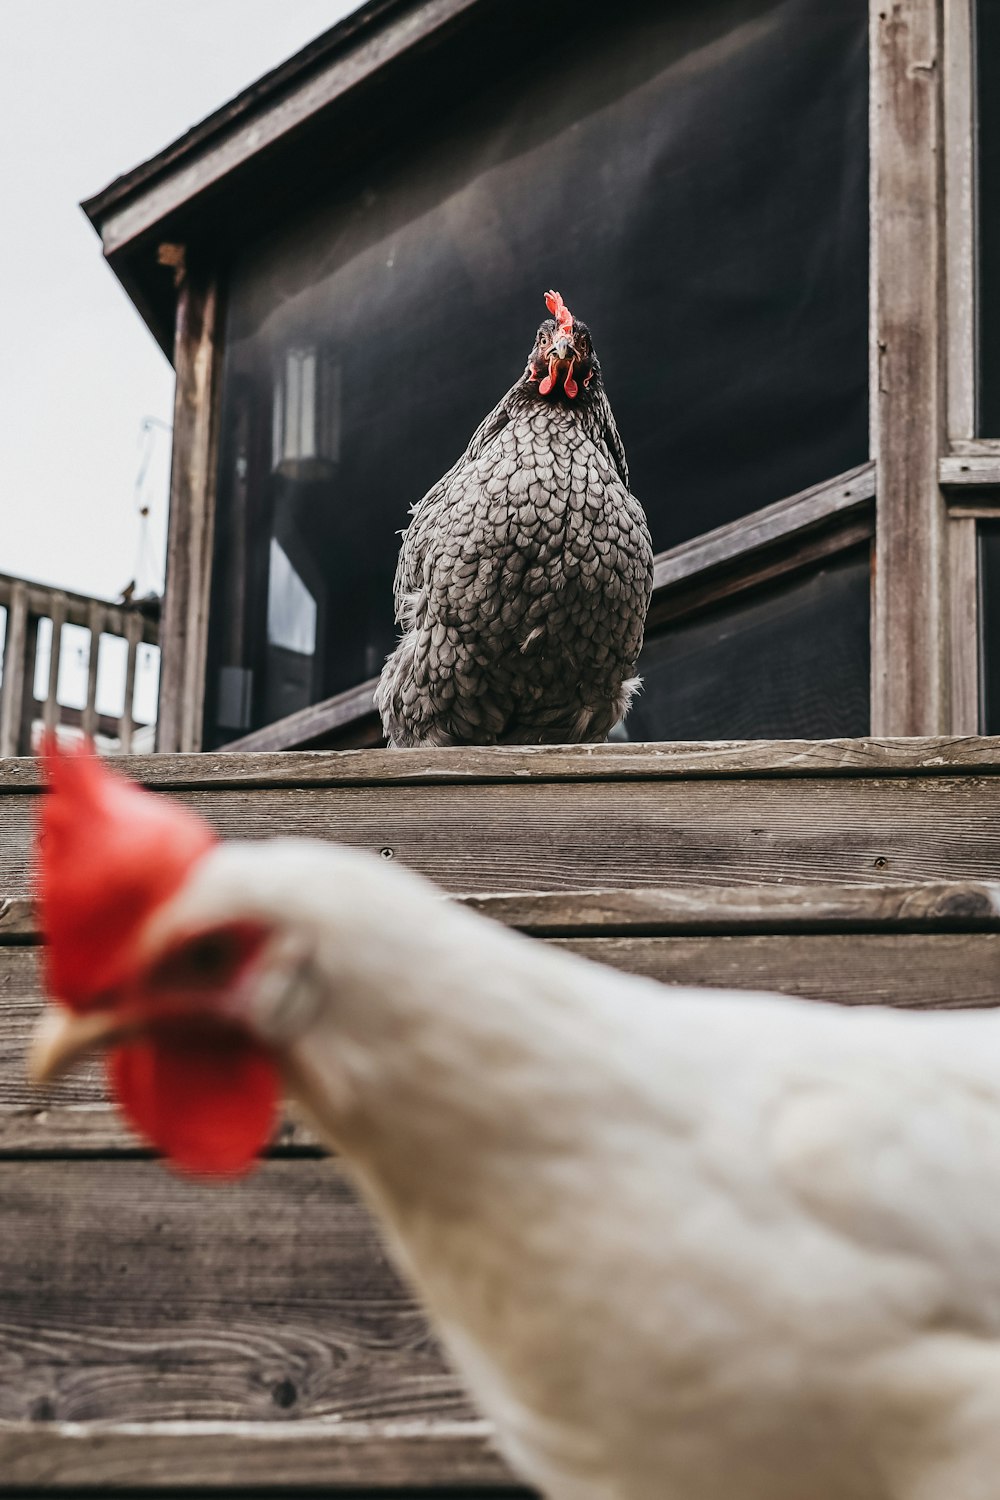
(682, 1245)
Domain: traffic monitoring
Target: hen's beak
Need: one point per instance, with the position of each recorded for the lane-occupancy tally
(62, 1039)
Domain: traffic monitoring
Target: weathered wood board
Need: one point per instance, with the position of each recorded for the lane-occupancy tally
(155, 1334)
(531, 824)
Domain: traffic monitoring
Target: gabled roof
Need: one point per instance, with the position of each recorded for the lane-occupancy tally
(220, 181)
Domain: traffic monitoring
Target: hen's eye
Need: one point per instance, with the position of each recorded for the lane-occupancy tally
(212, 958)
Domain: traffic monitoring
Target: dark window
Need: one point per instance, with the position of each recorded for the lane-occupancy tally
(693, 179)
(988, 67)
(783, 663)
(989, 625)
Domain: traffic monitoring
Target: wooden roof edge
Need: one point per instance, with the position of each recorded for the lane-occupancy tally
(655, 761)
(260, 94)
(264, 117)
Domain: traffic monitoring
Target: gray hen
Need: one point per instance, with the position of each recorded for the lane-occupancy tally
(524, 578)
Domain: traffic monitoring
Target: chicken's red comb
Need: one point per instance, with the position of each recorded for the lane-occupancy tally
(561, 313)
(109, 853)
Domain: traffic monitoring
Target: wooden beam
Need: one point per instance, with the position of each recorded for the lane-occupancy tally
(326, 1456)
(682, 760)
(964, 472)
(13, 685)
(535, 834)
(133, 632)
(781, 522)
(319, 722)
(95, 623)
(57, 615)
(184, 632)
(727, 910)
(187, 174)
(909, 677)
(963, 602)
(960, 165)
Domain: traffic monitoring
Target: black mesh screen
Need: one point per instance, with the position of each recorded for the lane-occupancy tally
(692, 177)
(988, 54)
(788, 662)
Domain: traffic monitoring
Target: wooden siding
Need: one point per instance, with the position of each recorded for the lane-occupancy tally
(160, 1334)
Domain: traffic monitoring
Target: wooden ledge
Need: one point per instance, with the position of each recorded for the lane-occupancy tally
(674, 760)
(307, 1454)
(936, 906)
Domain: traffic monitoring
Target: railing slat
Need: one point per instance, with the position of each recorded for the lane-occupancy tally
(57, 614)
(12, 691)
(95, 622)
(133, 632)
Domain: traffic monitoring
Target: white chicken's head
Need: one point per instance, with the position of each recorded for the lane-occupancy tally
(562, 363)
(170, 952)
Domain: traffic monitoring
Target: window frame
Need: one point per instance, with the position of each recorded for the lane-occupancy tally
(928, 478)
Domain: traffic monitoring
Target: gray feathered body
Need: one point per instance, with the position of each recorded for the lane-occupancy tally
(522, 585)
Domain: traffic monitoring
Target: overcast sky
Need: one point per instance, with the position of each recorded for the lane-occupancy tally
(89, 88)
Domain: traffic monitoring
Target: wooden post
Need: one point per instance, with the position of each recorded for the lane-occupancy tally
(50, 711)
(910, 606)
(133, 633)
(184, 630)
(12, 689)
(95, 624)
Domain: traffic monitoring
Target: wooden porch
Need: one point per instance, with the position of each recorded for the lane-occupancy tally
(159, 1335)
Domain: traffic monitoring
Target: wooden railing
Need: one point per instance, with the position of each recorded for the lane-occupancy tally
(22, 715)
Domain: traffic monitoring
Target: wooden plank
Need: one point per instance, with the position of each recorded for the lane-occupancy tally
(942, 971)
(12, 687)
(123, 216)
(160, 1298)
(963, 602)
(959, 86)
(184, 631)
(773, 524)
(966, 906)
(57, 615)
(408, 1458)
(564, 835)
(133, 632)
(95, 624)
(844, 533)
(683, 760)
(909, 966)
(966, 472)
(959, 906)
(49, 1129)
(909, 681)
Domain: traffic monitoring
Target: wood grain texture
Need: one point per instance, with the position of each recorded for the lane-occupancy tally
(910, 616)
(960, 905)
(130, 1294)
(12, 686)
(330, 1457)
(696, 910)
(963, 602)
(940, 971)
(908, 966)
(960, 169)
(542, 835)
(963, 472)
(667, 760)
(352, 711)
(121, 217)
(184, 635)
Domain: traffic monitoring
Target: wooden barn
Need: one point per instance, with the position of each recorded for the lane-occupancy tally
(780, 218)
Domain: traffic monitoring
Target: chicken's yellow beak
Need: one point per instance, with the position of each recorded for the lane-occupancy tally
(62, 1039)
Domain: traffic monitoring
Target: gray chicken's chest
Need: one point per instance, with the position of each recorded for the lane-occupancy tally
(544, 526)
